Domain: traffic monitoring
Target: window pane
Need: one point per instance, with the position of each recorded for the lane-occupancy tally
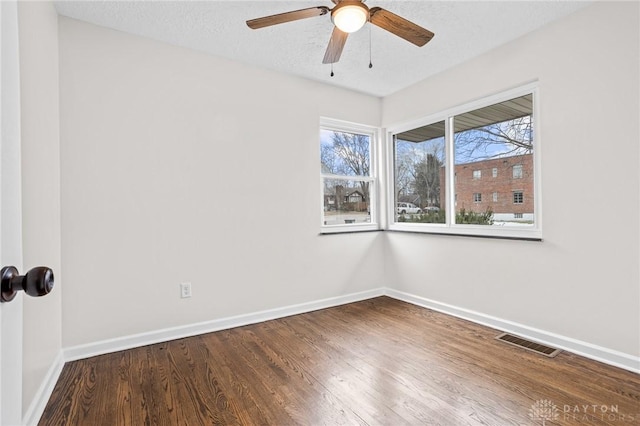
(420, 175)
(498, 140)
(518, 197)
(517, 171)
(343, 153)
(346, 202)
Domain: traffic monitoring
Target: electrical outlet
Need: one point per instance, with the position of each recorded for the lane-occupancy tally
(185, 290)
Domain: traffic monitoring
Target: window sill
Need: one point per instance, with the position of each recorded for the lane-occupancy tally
(349, 229)
(470, 231)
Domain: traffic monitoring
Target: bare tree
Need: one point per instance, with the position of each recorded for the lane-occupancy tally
(417, 169)
(348, 155)
(405, 160)
(505, 139)
(426, 175)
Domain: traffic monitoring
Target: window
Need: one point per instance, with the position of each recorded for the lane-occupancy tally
(438, 161)
(518, 197)
(419, 173)
(347, 174)
(517, 215)
(517, 171)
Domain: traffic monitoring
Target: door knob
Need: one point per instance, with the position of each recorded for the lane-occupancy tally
(37, 282)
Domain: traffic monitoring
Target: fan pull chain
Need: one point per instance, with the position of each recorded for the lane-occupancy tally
(370, 63)
(331, 70)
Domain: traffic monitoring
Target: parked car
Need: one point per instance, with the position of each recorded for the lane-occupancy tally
(431, 209)
(404, 208)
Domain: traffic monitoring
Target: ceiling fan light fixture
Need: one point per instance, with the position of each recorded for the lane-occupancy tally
(350, 16)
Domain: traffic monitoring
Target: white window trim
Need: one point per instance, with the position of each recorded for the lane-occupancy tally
(534, 232)
(374, 188)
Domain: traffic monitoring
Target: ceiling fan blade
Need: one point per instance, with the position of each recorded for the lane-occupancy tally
(281, 18)
(336, 44)
(399, 26)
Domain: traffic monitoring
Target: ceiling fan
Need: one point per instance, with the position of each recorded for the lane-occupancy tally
(349, 16)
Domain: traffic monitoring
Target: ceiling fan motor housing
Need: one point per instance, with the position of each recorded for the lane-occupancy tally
(350, 15)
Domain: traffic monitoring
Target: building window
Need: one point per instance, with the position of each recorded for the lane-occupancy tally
(517, 171)
(347, 174)
(517, 216)
(438, 161)
(518, 197)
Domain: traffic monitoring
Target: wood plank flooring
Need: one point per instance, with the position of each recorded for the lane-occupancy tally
(376, 362)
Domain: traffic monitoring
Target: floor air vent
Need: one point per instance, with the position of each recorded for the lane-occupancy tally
(528, 345)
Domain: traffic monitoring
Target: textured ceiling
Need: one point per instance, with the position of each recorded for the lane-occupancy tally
(463, 29)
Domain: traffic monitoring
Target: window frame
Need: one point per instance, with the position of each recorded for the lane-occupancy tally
(533, 232)
(373, 132)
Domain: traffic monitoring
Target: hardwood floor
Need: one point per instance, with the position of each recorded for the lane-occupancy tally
(376, 362)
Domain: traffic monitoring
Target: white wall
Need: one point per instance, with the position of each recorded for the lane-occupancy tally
(179, 166)
(38, 32)
(583, 280)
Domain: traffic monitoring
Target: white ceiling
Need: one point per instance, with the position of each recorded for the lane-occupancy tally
(463, 29)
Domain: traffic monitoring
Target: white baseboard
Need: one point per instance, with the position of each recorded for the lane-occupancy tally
(158, 336)
(588, 350)
(39, 403)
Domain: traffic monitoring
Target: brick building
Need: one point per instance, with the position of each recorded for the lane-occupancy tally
(504, 185)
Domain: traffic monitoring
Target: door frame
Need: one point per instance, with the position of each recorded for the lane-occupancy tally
(10, 214)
